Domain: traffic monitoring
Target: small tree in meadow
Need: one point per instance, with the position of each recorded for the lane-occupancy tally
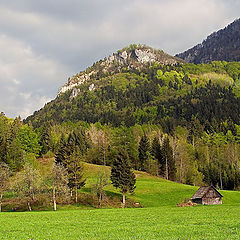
(98, 188)
(75, 172)
(122, 176)
(27, 183)
(60, 183)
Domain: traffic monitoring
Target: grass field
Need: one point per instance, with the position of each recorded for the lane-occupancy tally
(211, 222)
(159, 219)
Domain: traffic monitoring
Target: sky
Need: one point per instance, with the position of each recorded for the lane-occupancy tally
(43, 43)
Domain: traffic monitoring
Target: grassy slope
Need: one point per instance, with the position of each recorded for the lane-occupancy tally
(150, 191)
(159, 220)
(155, 192)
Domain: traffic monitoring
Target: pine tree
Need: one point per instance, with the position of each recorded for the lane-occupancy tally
(122, 176)
(62, 152)
(157, 151)
(75, 140)
(75, 172)
(170, 169)
(143, 149)
(46, 137)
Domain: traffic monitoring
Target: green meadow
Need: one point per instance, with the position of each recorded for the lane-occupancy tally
(159, 218)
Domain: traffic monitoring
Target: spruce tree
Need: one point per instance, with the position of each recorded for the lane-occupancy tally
(76, 140)
(75, 172)
(143, 149)
(62, 152)
(168, 161)
(157, 151)
(122, 176)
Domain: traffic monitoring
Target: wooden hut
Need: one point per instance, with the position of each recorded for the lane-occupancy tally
(207, 195)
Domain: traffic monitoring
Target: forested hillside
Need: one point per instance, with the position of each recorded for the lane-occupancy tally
(223, 45)
(169, 95)
(176, 120)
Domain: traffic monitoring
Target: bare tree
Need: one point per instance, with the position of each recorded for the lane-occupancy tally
(98, 188)
(27, 183)
(4, 180)
(60, 183)
(100, 138)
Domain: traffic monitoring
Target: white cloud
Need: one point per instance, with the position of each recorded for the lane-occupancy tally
(15, 81)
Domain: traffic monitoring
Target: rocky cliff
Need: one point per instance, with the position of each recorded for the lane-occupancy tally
(132, 57)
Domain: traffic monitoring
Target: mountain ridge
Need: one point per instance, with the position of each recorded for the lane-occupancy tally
(223, 45)
(132, 57)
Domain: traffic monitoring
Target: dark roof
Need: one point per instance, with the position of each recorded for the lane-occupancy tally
(203, 190)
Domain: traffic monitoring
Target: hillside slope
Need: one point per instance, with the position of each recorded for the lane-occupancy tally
(153, 191)
(156, 94)
(159, 219)
(223, 45)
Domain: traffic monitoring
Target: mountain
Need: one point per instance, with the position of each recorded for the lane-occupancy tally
(129, 58)
(141, 85)
(223, 45)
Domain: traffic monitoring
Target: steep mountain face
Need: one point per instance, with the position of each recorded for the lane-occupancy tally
(223, 45)
(132, 57)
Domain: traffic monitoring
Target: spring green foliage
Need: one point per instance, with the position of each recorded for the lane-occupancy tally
(189, 114)
(154, 94)
(29, 140)
(194, 155)
(11, 149)
(27, 183)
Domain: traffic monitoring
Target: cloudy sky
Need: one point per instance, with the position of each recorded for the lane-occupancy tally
(42, 43)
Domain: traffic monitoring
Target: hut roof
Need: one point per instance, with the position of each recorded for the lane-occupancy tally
(203, 190)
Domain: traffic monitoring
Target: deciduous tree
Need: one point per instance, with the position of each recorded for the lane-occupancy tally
(4, 180)
(60, 187)
(98, 188)
(27, 183)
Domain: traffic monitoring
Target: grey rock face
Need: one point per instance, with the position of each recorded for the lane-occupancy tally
(74, 93)
(131, 58)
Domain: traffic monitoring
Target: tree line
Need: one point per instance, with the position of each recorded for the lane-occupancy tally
(25, 178)
(190, 155)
